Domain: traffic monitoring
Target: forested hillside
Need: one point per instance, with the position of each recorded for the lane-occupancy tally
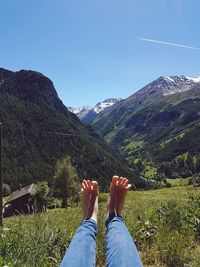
(158, 128)
(38, 130)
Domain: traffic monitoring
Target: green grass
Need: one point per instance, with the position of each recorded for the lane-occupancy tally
(163, 144)
(134, 145)
(156, 219)
(178, 181)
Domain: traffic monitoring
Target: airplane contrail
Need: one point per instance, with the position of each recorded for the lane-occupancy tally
(168, 43)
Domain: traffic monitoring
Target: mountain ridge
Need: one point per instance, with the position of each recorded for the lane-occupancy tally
(38, 130)
(147, 95)
(88, 114)
(152, 122)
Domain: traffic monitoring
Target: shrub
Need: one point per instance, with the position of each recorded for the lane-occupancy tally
(194, 214)
(41, 198)
(6, 190)
(172, 248)
(145, 233)
(172, 215)
(168, 185)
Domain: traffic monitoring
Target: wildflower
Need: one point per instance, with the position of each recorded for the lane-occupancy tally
(6, 229)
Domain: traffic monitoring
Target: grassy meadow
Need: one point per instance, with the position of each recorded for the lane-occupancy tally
(164, 223)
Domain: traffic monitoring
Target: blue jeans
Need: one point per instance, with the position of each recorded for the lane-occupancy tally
(120, 248)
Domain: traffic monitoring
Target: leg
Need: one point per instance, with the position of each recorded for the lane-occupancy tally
(120, 248)
(82, 249)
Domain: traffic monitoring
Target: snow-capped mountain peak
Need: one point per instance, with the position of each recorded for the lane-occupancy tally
(180, 84)
(86, 113)
(78, 110)
(171, 85)
(105, 104)
(196, 79)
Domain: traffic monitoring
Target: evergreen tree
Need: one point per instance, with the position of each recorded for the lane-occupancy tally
(65, 180)
(166, 169)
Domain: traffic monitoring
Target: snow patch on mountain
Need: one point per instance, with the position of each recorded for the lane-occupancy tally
(105, 104)
(87, 113)
(79, 110)
(170, 85)
(196, 80)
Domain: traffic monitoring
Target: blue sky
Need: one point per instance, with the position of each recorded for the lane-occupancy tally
(90, 49)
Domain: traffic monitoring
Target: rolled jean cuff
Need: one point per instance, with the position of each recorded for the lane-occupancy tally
(111, 216)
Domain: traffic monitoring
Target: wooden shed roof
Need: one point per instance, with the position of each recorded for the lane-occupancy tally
(29, 189)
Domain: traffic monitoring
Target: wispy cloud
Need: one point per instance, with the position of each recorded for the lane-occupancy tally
(168, 43)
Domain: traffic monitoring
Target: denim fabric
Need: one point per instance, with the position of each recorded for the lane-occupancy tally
(82, 249)
(120, 248)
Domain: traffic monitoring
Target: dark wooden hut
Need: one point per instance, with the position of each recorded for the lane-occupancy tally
(19, 201)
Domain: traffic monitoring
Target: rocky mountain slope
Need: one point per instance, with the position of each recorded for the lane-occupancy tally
(88, 114)
(79, 110)
(160, 123)
(38, 130)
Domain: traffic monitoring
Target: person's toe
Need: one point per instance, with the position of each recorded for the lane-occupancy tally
(125, 182)
(121, 181)
(84, 184)
(89, 184)
(128, 187)
(95, 186)
(115, 180)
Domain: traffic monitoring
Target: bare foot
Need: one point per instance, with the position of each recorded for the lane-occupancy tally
(123, 187)
(93, 207)
(90, 199)
(112, 197)
(118, 190)
(86, 191)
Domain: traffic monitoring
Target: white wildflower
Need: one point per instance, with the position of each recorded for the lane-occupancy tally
(6, 229)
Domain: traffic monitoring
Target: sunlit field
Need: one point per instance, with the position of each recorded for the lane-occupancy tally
(164, 223)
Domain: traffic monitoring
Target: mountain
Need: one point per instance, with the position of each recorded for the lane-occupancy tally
(79, 110)
(156, 91)
(158, 124)
(38, 130)
(88, 114)
(99, 107)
